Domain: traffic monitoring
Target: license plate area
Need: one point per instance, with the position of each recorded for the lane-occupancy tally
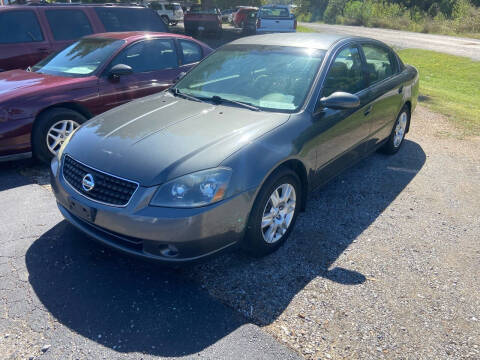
(201, 28)
(83, 212)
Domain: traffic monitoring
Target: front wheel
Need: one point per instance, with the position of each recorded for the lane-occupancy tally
(51, 129)
(273, 214)
(397, 135)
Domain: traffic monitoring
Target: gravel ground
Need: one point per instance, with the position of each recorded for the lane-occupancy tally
(405, 39)
(384, 262)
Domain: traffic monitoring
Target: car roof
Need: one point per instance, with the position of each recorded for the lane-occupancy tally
(311, 40)
(70, 6)
(275, 6)
(134, 35)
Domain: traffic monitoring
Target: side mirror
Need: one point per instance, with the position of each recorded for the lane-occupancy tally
(119, 70)
(340, 100)
(179, 77)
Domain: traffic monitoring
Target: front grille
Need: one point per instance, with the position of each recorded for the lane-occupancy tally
(108, 189)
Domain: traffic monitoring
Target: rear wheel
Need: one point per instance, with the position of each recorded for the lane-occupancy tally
(51, 129)
(274, 213)
(397, 135)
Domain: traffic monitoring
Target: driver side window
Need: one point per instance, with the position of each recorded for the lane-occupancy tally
(150, 55)
(345, 73)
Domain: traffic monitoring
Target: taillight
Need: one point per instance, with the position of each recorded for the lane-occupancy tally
(259, 24)
(295, 24)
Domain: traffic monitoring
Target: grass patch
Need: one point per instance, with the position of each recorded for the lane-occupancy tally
(304, 29)
(450, 84)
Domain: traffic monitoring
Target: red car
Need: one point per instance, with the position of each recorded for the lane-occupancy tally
(30, 33)
(240, 17)
(40, 107)
(199, 20)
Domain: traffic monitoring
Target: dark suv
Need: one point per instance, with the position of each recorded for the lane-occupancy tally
(30, 33)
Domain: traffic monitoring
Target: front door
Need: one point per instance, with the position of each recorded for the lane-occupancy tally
(155, 67)
(342, 133)
(22, 41)
(66, 26)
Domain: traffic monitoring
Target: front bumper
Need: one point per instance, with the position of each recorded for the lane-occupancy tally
(165, 234)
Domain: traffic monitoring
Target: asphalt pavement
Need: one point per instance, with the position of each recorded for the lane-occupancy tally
(64, 296)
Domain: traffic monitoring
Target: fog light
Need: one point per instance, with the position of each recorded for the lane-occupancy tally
(169, 251)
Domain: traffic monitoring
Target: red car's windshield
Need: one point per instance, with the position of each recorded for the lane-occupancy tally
(79, 59)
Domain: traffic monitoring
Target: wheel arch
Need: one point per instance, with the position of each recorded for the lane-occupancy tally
(408, 104)
(65, 105)
(299, 168)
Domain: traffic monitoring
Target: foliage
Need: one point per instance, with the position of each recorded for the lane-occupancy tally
(450, 85)
(441, 16)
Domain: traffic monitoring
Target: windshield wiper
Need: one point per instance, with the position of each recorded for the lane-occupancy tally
(177, 92)
(219, 99)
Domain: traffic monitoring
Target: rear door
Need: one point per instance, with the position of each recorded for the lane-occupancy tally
(66, 26)
(190, 54)
(342, 133)
(116, 19)
(385, 89)
(155, 66)
(22, 40)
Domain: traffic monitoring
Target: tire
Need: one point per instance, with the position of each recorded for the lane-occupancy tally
(397, 136)
(257, 242)
(50, 122)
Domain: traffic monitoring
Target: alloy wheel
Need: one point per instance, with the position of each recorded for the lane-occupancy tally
(400, 128)
(58, 132)
(278, 213)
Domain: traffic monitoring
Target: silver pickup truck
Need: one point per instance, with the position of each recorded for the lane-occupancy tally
(275, 18)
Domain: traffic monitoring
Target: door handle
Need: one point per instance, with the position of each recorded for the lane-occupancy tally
(42, 49)
(400, 90)
(368, 110)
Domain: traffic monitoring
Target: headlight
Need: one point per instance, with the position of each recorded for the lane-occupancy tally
(193, 190)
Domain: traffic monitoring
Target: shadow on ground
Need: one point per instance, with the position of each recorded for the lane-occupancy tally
(23, 172)
(143, 307)
(121, 302)
(336, 215)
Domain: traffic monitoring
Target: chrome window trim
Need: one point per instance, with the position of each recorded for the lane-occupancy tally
(100, 171)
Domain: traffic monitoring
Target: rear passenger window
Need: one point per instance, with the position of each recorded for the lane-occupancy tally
(345, 74)
(146, 56)
(380, 63)
(130, 19)
(68, 24)
(19, 27)
(191, 52)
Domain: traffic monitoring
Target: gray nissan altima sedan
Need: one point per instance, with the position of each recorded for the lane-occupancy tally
(228, 155)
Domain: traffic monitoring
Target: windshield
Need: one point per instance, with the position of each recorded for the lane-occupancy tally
(274, 12)
(273, 78)
(79, 59)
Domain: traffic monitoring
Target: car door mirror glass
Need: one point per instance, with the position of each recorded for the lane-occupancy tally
(340, 100)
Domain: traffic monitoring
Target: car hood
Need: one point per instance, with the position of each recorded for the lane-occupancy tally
(161, 137)
(16, 83)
